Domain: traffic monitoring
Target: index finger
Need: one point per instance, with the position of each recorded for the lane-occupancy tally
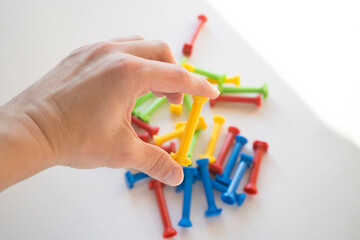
(171, 78)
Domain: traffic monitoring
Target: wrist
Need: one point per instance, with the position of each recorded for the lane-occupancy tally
(22, 153)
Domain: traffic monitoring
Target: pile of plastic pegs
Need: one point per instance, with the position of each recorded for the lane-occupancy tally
(211, 171)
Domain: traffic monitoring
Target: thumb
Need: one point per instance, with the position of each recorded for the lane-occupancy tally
(157, 163)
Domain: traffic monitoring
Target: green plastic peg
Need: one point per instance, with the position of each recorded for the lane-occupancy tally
(220, 78)
(145, 116)
(263, 90)
(183, 60)
(141, 100)
(188, 101)
(193, 143)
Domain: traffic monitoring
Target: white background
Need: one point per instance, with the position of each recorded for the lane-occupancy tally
(308, 182)
(315, 47)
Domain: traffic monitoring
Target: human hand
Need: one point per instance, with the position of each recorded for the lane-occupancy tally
(79, 113)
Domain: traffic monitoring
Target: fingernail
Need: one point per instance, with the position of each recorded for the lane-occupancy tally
(216, 90)
(213, 88)
(174, 177)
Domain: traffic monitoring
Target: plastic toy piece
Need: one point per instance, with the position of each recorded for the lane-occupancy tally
(219, 78)
(176, 109)
(188, 101)
(188, 67)
(181, 155)
(183, 60)
(189, 173)
(225, 177)
(218, 186)
(178, 132)
(205, 177)
(234, 80)
(141, 100)
(141, 124)
(216, 167)
(180, 125)
(229, 197)
(259, 148)
(239, 198)
(263, 90)
(193, 143)
(145, 116)
(187, 49)
(218, 122)
(240, 99)
(169, 148)
(180, 187)
(157, 186)
(131, 179)
(144, 136)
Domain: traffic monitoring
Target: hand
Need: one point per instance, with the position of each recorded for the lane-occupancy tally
(79, 113)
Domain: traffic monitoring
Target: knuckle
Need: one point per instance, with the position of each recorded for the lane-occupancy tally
(162, 44)
(165, 49)
(123, 64)
(79, 50)
(101, 48)
(137, 37)
(185, 77)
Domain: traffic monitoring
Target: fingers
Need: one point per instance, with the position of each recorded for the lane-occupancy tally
(151, 50)
(134, 45)
(174, 98)
(157, 163)
(127, 39)
(159, 94)
(168, 78)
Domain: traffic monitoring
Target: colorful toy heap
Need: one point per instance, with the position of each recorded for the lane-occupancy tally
(207, 164)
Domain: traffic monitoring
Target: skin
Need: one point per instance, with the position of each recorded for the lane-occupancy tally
(78, 114)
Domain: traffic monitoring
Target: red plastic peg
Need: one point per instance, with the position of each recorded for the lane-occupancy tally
(259, 148)
(169, 148)
(241, 99)
(141, 124)
(144, 136)
(187, 49)
(216, 167)
(157, 186)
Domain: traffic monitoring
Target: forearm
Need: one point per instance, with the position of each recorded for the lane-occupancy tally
(20, 154)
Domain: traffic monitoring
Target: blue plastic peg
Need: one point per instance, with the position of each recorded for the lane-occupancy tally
(229, 197)
(225, 177)
(189, 176)
(205, 177)
(239, 197)
(131, 179)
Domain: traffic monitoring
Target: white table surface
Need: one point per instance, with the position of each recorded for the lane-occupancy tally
(308, 182)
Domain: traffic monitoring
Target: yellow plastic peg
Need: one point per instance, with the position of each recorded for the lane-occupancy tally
(181, 156)
(178, 132)
(159, 140)
(180, 124)
(188, 67)
(176, 109)
(234, 80)
(218, 122)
